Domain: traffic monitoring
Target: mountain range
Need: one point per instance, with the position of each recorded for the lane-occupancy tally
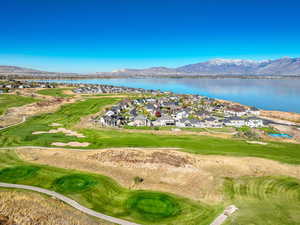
(217, 67)
(281, 67)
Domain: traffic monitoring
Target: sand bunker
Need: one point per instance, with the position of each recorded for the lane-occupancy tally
(55, 125)
(61, 130)
(71, 144)
(257, 142)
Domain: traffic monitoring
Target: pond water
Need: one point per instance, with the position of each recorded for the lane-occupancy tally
(269, 94)
(281, 135)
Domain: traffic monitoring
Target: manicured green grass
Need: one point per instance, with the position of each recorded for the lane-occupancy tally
(67, 115)
(153, 206)
(12, 174)
(8, 101)
(70, 114)
(264, 200)
(104, 195)
(55, 92)
(74, 183)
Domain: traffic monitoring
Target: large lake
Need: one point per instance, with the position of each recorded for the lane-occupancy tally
(283, 95)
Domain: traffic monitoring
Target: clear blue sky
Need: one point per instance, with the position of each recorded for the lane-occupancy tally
(102, 35)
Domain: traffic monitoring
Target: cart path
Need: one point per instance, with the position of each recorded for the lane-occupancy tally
(23, 121)
(70, 202)
(224, 215)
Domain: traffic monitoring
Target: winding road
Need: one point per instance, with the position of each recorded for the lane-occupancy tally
(70, 202)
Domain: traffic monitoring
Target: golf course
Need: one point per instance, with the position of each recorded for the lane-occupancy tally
(252, 195)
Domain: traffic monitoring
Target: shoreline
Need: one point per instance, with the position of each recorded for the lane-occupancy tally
(111, 76)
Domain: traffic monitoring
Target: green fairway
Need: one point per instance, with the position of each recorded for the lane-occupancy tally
(55, 92)
(264, 200)
(70, 114)
(8, 101)
(104, 195)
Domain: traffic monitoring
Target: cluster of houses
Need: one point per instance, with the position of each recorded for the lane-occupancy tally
(102, 89)
(180, 111)
(10, 85)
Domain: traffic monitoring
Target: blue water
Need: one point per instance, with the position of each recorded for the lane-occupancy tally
(281, 135)
(283, 95)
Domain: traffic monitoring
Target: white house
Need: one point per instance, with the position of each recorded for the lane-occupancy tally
(254, 111)
(234, 122)
(235, 111)
(140, 121)
(254, 122)
(164, 121)
(181, 114)
(183, 123)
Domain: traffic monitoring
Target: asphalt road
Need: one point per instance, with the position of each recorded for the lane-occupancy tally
(69, 202)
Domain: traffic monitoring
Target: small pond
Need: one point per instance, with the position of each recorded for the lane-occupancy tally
(281, 135)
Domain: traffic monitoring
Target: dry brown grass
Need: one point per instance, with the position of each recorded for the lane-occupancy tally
(29, 208)
(16, 114)
(194, 176)
(288, 116)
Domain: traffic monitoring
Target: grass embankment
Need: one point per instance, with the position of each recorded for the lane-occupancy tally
(104, 195)
(18, 206)
(55, 92)
(264, 200)
(7, 101)
(70, 114)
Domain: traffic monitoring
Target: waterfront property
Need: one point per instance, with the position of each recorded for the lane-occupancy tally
(180, 111)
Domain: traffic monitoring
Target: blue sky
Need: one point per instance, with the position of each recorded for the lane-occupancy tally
(103, 35)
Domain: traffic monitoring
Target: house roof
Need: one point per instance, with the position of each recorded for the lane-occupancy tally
(140, 117)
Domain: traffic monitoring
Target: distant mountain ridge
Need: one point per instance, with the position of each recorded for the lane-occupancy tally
(217, 67)
(283, 66)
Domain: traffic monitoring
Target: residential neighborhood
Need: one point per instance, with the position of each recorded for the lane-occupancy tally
(180, 111)
(103, 89)
(7, 86)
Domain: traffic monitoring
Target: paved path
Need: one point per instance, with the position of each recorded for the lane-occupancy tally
(23, 121)
(69, 202)
(227, 212)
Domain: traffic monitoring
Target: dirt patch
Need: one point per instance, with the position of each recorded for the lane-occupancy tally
(118, 157)
(5, 220)
(61, 130)
(197, 177)
(28, 208)
(16, 114)
(71, 144)
(286, 116)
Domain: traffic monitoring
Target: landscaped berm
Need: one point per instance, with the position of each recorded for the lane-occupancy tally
(264, 195)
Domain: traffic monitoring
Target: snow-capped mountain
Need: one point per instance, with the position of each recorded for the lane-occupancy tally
(283, 66)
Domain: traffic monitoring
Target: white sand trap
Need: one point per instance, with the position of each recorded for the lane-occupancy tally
(55, 125)
(257, 142)
(62, 130)
(71, 144)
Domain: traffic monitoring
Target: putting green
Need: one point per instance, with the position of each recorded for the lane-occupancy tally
(153, 206)
(17, 173)
(74, 183)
